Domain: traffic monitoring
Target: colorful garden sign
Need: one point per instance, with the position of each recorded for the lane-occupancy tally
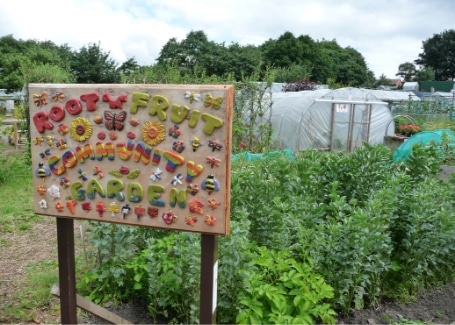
(145, 155)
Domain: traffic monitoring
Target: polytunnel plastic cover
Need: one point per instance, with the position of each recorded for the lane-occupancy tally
(329, 119)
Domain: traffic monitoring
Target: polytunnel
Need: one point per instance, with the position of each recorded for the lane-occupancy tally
(324, 119)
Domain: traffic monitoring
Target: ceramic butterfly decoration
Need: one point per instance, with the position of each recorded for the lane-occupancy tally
(58, 97)
(212, 101)
(115, 121)
(40, 99)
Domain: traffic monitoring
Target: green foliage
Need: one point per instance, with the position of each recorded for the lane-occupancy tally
(235, 256)
(291, 58)
(291, 74)
(355, 235)
(115, 247)
(423, 162)
(437, 54)
(447, 148)
(319, 233)
(407, 71)
(13, 166)
(423, 251)
(91, 65)
(173, 275)
(23, 62)
(252, 126)
(281, 290)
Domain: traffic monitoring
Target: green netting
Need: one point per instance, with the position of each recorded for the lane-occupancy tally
(425, 137)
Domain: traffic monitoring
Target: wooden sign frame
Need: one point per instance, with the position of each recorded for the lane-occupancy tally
(145, 155)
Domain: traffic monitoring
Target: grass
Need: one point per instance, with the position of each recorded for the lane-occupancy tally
(25, 278)
(28, 247)
(34, 294)
(16, 209)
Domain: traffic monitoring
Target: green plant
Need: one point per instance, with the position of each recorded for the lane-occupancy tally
(281, 290)
(173, 275)
(423, 162)
(422, 254)
(235, 259)
(115, 246)
(447, 147)
(14, 166)
(370, 228)
(357, 235)
(252, 127)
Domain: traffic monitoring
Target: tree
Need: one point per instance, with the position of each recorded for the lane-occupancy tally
(293, 74)
(240, 61)
(128, 70)
(407, 71)
(28, 61)
(383, 81)
(424, 74)
(347, 65)
(92, 65)
(286, 51)
(192, 53)
(439, 54)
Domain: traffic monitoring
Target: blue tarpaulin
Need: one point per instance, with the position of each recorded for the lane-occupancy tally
(254, 156)
(425, 138)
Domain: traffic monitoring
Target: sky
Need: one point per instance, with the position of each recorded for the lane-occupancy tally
(386, 33)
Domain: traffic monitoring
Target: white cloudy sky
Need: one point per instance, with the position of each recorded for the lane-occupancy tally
(385, 32)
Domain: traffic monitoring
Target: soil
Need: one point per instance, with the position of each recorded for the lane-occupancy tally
(28, 247)
(435, 306)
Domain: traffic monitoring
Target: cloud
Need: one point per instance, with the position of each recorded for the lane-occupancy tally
(386, 33)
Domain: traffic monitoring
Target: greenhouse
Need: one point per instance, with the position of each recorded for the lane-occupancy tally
(335, 120)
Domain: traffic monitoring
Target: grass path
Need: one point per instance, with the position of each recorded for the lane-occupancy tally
(28, 248)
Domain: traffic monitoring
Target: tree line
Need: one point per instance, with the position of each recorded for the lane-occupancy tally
(287, 59)
(436, 62)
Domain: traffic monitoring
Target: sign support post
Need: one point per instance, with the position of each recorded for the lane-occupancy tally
(208, 282)
(66, 268)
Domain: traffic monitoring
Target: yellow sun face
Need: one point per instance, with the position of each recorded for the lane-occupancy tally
(81, 129)
(153, 133)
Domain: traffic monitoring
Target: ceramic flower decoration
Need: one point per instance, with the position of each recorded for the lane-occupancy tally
(81, 129)
(153, 133)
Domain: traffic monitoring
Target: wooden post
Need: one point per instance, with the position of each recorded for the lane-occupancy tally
(67, 271)
(209, 279)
